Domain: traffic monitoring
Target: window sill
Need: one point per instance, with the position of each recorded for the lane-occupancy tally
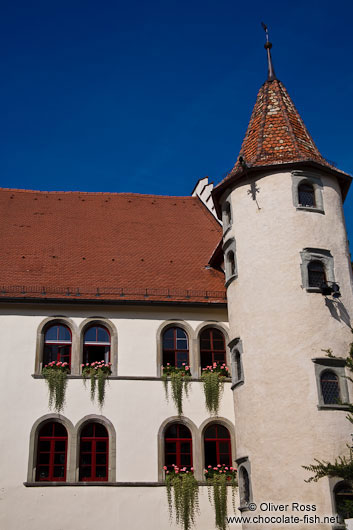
(333, 407)
(48, 484)
(310, 209)
(132, 378)
(330, 361)
(237, 383)
(230, 280)
(226, 231)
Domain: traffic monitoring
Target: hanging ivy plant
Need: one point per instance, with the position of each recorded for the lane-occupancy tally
(98, 373)
(218, 478)
(55, 374)
(180, 380)
(182, 495)
(213, 382)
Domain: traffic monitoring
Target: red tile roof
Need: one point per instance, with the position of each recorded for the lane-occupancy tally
(277, 135)
(107, 246)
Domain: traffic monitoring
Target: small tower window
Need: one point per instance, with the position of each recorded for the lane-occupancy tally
(217, 446)
(51, 453)
(178, 446)
(316, 273)
(175, 347)
(96, 345)
(306, 195)
(344, 500)
(57, 344)
(330, 387)
(227, 215)
(244, 484)
(231, 262)
(212, 347)
(94, 453)
(238, 365)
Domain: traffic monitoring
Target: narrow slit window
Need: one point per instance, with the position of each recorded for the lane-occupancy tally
(231, 262)
(244, 486)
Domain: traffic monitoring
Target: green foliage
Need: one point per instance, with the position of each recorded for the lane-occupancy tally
(217, 479)
(98, 373)
(183, 496)
(180, 380)
(213, 384)
(55, 374)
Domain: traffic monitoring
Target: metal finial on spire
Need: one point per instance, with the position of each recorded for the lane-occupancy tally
(268, 46)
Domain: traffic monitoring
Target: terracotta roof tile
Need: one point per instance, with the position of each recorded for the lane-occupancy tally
(108, 246)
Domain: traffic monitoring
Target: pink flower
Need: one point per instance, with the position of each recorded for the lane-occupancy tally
(165, 468)
(192, 469)
(92, 364)
(209, 467)
(219, 465)
(215, 469)
(186, 368)
(226, 468)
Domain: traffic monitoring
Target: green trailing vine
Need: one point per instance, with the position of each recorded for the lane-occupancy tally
(342, 467)
(55, 374)
(98, 373)
(179, 379)
(182, 495)
(218, 478)
(213, 384)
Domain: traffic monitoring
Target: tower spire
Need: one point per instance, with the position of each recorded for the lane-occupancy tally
(271, 72)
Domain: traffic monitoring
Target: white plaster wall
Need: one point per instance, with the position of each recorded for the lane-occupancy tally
(136, 409)
(282, 328)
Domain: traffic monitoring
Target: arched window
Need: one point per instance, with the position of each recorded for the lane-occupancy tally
(212, 347)
(218, 448)
(94, 445)
(316, 273)
(330, 387)
(52, 452)
(344, 500)
(244, 484)
(227, 215)
(57, 344)
(96, 345)
(178, 446)
(306, 194)
(175, 347)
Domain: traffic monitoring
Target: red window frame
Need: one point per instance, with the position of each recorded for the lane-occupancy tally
(218, 440)
(93, 344)
(175, 350)
(59, 343)
(93, 440)
(178, 440)
(52, 452)
(213, 350)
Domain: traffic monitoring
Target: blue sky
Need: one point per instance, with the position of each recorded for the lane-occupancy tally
(150, 96)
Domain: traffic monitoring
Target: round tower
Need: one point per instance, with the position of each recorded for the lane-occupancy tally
(289, 291)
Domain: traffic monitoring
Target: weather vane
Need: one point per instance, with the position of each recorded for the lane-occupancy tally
(268, 46)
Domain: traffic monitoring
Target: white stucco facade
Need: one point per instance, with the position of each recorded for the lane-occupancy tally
(282, 327)
(135, 407)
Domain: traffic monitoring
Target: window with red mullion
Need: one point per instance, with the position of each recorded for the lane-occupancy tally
(57, 349)
(96, 344)
(212, 347)
(52, 453)
(218, 450)
(94, 454)
(178, 447)
(175, 347)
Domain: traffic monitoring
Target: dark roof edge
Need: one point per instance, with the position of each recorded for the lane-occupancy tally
(344, 179)
(110, 302)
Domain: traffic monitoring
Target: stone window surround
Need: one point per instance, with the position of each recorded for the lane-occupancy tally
(323, 364)
(73, 446)
(230, 246)
(197, 434)
(244, 462)
(236, 347)
(316, 254)
(194, 343)
(334, 482)
(225, 218)
(77, 334)
(300, 177)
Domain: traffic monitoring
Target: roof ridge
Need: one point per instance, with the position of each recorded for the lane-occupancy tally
(103, 193)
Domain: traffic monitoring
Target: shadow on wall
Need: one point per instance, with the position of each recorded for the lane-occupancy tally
(338, 311)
